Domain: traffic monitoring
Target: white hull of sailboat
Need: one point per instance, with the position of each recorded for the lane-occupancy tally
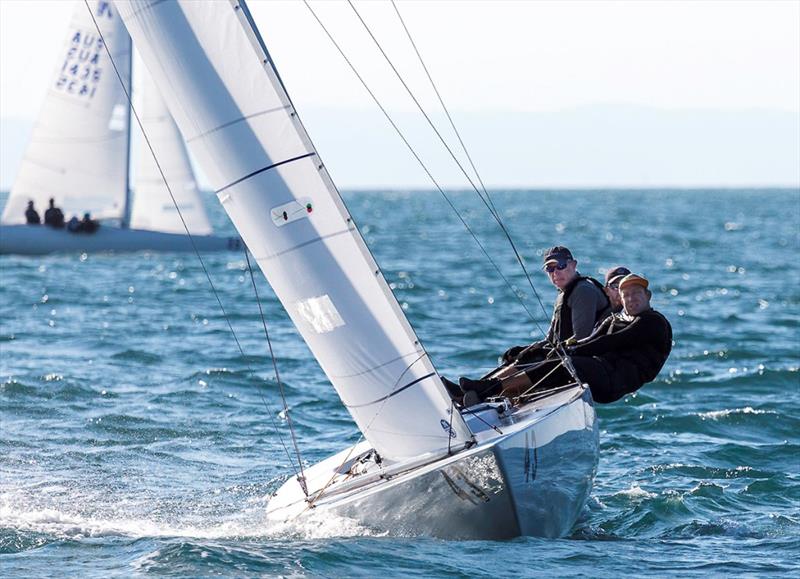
(533, 479)
(40, 240)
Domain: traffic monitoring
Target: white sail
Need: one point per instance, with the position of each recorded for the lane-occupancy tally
(78, 150)
(153, 208)
(222, 89)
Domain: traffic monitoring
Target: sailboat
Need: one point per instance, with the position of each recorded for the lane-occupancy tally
(425, 466)
(79, 156)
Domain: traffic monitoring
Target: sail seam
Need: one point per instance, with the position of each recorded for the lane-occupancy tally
(301, 245)
(267, 168)
(239, 120)
(153, 4)
(398, 391)
(368, 370)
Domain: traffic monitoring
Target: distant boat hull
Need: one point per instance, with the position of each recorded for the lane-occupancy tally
(534, 479)
(40, 240)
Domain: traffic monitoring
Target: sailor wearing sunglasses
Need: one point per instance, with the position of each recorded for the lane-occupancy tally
(581, 303)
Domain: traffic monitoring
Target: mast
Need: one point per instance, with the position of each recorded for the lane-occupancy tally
(125, 222)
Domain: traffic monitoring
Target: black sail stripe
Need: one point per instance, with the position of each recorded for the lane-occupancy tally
(267, 168)
(398, 391)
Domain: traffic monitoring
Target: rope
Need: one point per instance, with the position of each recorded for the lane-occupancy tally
(532, 387)
(186, 228)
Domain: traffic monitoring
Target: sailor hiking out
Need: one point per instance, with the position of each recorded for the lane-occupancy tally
(625, 351)
(580, 304)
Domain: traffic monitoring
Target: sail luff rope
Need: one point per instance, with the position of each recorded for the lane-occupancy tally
(185, 226)
(302, 477)
(420, 161)
(457, 162)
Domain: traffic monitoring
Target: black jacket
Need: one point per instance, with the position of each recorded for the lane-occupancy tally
(633, 349)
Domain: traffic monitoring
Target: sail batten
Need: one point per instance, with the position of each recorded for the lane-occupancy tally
(217, 79)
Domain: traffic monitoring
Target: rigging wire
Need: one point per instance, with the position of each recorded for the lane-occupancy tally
(444, 107)
(302, 478)
(421, 163)
(489, 206)
(197, 253)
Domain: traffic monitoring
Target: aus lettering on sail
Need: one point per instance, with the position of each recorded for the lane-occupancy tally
(81, 72)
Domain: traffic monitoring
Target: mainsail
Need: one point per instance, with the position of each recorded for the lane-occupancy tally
(221, 86)
(78, 150)
(153, 208)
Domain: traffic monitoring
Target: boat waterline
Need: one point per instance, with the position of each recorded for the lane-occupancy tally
(40, 240)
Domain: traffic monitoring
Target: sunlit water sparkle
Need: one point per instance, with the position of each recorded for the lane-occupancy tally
(134, 439)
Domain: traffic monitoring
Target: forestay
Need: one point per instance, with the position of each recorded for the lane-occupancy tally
(219, 83)
(78, 152)
(153, 208)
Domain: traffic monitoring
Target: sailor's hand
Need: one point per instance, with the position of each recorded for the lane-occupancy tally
(511, 354)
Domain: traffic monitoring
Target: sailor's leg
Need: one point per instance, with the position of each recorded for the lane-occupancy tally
(594, 373)
(540, 376)
(534, 353)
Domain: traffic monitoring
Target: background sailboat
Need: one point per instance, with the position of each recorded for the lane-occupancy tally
(79, 155)
(491, 472)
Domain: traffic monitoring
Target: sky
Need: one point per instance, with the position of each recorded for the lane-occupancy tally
(564, 93)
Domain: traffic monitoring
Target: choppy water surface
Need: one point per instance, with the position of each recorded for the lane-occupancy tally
(134, 439)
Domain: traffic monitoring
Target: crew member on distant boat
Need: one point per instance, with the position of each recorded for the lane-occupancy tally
(85, 225)
(31, 215)
(611, 289)
(626, 351)
(54, 217)
(88, 225)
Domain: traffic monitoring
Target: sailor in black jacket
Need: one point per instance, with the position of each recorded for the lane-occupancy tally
(624, 352)
(628, 349)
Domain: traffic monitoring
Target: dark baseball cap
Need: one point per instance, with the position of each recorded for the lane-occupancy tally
(558, 253)
(617, 272)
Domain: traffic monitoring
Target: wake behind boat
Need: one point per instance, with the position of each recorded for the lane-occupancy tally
(79, 156)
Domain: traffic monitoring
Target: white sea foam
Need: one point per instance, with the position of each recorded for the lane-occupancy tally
(717, 414)
(248, 523)
(636, 493)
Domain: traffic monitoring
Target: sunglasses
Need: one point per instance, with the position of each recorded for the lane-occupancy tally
(614, 286)
(559, 267)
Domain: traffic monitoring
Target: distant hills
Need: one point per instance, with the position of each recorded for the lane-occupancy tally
(600, 145)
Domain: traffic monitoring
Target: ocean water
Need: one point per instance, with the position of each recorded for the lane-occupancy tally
(136, 440)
